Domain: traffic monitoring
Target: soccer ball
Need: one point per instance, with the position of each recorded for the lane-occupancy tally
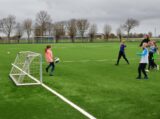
(56, 59)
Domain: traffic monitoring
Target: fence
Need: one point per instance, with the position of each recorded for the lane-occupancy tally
(64, 40)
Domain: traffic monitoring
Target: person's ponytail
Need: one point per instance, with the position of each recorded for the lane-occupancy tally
(47, 47)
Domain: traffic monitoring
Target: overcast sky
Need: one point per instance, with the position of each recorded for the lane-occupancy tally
(113, 12)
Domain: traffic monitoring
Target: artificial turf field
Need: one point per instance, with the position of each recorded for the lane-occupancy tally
(88, 77)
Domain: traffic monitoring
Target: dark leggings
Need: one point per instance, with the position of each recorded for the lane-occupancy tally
(51, 64)
(152, 64)
(122, 54)
(141, 68)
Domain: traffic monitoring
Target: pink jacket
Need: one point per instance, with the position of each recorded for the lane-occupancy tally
(49, 55)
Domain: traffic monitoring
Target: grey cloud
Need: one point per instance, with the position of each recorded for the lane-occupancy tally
(113, 12)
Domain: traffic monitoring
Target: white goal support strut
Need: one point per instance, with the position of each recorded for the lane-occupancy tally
(27, 69)
(33, 78)
(23, 74)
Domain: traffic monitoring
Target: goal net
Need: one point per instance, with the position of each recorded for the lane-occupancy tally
(27, 69)
(44, 39)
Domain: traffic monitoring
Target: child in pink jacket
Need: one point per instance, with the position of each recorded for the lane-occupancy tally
(50, 59)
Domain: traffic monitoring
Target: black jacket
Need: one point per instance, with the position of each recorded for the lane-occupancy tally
(144, 41)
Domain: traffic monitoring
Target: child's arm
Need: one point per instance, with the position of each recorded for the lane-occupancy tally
(52, 55)
(123, 45)
(143, 53)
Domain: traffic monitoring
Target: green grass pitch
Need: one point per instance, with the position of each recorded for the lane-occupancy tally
(88, 77)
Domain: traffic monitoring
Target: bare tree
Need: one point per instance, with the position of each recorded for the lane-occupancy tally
(107, 31)
(49, 28)
(112, 35)
(27, 25)
(42, 19)
(119, 33)
(92, 32)
(58, 30)
(72, 29)
(37, 33)
(19, 31)
(82, 26)
(7, 25)
(129, 25)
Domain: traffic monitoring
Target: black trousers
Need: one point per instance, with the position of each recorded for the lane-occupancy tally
(152, 64)
(122, 54)
(141, 68)
(51, 64)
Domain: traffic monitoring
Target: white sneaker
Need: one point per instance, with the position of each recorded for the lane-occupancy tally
(147, 70)
(157, 67)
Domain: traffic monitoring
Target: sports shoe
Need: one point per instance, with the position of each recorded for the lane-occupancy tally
(147, 70)
(145, 77)
(157, 67)
(138, 77)
(50, 74)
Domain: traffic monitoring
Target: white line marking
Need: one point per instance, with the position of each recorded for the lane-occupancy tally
(100, 60)
(68, 61)
(82, 46)
(69, 102)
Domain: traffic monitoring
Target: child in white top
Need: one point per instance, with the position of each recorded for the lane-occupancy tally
(143, 62)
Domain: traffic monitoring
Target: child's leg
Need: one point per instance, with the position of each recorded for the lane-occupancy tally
(154, 64)
(47, 68)
(151, 60)
(119, 57)
(143, 69)
(149, 65)
(52, 69)
(139, 70)
(124, 56)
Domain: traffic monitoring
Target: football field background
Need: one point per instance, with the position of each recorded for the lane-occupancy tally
(87, 76)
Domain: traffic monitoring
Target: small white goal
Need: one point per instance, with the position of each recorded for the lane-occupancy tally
(27, 69)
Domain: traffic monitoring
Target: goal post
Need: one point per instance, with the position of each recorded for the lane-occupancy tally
(44, 39)
(27, 69)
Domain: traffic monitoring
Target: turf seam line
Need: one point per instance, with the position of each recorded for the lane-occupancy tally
(99, 60)
(69, 102)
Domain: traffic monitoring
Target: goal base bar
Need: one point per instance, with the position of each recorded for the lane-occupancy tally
(23, 84)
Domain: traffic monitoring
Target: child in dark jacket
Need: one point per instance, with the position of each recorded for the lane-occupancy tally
(153, 50)
(122, 52)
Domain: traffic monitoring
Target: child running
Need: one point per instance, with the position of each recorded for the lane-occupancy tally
(152, 52)
(50, 59)
(143, 62)
(122, 53)
(156, 51)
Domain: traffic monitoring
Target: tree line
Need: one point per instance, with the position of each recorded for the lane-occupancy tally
(43, 25)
